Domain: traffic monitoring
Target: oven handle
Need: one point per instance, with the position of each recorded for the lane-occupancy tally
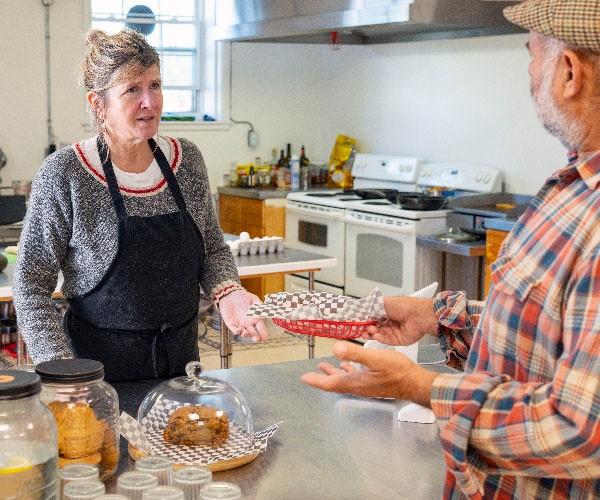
(407, 229)
(316, 213)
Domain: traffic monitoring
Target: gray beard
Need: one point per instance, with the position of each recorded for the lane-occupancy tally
(554, 120)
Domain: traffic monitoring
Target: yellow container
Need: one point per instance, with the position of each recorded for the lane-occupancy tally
(340, 175)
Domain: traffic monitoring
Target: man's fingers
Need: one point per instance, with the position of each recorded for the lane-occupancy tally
(322, 381)
(329, 369)
(372, 330)
(346, 351)
(347, 367)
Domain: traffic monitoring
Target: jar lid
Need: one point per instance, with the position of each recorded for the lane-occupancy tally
(67, 371)
(17, 384)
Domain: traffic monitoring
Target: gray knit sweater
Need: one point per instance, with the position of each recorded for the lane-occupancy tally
(71, 226)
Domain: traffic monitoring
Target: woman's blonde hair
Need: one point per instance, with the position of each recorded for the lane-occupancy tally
(111, 59)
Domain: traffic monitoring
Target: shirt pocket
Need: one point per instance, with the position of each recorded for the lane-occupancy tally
(514, 281)
(513, 313)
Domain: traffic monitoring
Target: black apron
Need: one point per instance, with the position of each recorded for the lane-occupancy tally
(140, 321)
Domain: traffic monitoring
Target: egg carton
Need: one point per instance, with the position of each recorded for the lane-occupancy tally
(256, 246)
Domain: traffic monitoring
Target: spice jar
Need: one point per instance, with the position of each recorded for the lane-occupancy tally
(86, 410)
(28, 443)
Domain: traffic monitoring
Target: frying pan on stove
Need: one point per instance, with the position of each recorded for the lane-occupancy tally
(393, 195)
(373, 193)
(419, 201)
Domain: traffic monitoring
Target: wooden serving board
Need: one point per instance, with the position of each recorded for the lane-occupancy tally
(232, 463)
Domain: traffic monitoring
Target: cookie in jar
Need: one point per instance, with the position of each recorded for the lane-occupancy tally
(86, 410)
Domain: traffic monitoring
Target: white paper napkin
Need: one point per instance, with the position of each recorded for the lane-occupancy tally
(416, 414)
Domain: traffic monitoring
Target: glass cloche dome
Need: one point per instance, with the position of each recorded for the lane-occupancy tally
(197, 410)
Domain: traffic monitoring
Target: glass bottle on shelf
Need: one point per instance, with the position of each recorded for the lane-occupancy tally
(252, 177)
(295, 173)
(273, 158)
(281, 170)
(304, 161)
(304, 171)
(288, 155)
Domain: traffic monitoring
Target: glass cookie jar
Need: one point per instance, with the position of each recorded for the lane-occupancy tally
(86, 410)
(196, 410)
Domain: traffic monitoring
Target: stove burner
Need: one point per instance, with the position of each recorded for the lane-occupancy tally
(323, 195)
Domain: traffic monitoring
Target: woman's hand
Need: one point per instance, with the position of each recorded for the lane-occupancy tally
(233, 308)
(409, 319)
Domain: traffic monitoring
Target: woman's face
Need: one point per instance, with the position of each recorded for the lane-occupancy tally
(133, 107)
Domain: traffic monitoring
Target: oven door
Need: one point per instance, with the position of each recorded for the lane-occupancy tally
(317, 229)
(380, 252)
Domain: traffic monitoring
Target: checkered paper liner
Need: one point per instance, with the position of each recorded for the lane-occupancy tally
(147, 436)
(320, 306)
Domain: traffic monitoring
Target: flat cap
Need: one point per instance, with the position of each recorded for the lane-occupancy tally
(576, 22)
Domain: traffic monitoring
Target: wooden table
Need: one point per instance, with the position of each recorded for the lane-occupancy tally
(288, 261)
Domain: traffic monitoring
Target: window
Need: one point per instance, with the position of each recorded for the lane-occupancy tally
(177, 29)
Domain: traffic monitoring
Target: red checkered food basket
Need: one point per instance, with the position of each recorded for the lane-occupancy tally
(325, 328)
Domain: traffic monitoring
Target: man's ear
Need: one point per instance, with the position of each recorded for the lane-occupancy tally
(572, 74)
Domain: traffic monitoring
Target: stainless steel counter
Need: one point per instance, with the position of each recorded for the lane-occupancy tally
(464, 249)
(328, 446)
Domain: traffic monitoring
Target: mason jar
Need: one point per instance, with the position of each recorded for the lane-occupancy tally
(86, 409)
(28, 441)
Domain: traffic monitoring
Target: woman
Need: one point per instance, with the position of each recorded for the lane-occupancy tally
(127, 216)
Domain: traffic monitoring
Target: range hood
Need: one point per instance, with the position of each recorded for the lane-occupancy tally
(358, 21)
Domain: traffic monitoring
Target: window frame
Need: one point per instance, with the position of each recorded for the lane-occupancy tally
(212, 70)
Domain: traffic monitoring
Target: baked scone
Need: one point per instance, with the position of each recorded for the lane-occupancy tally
(80, 434)
(93, 459)
(197, 426)
(110, 451)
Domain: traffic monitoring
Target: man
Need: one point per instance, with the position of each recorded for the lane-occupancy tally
(523, 419)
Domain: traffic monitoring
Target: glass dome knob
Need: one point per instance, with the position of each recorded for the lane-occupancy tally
(194, 370)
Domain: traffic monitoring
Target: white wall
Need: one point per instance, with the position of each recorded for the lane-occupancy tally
(444, 100)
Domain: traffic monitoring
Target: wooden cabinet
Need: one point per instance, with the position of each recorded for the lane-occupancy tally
(493, 242)
(259, 218)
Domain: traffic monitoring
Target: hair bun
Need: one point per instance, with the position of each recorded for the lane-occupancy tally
(94, 36)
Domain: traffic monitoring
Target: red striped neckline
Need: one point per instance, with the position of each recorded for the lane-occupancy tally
(97, 172)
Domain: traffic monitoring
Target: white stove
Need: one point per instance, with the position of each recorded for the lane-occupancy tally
(374, 240)
(384, 207)
(381, 247)
(315, 220)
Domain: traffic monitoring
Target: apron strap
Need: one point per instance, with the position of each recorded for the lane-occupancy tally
(165, 168)
(111, 179)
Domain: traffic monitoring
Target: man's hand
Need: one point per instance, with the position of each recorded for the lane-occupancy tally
(233, 308)
(409, 319)
(385, 374)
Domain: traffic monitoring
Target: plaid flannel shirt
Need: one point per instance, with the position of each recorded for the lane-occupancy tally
(523, 420)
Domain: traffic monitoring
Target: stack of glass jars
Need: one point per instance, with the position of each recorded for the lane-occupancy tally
(86, 410)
